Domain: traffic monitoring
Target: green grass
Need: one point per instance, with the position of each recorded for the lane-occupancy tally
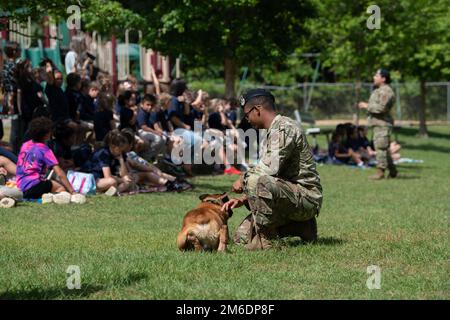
(126, 248)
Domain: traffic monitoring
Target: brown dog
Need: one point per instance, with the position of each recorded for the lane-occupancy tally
(205, 227)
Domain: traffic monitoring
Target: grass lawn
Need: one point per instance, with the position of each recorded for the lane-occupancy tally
(125, 247)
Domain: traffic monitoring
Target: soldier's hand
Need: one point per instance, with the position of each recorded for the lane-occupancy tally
(233, 203)
(237, 186)
(362, 105)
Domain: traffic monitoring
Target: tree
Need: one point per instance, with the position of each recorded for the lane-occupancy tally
(421, 45)
(348, 48)
(106, 17)
(229, 32)
(413, 41)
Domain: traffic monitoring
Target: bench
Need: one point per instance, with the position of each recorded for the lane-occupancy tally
(303, 117)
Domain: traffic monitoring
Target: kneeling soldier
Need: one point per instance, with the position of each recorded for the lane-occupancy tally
(283, 191)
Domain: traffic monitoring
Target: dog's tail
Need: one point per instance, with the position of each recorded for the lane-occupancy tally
(187, 239)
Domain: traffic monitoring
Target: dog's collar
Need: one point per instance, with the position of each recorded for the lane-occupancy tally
(219, 203)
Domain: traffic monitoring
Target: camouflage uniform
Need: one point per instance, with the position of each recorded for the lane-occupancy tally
(379, 107)
(284, 187)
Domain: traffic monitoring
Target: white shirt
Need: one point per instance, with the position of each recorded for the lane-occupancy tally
(70, 60)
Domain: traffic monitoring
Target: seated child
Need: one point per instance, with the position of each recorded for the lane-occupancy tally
(339, 154)
(146, 173)
(70, 157)
(61, 144)
(104, 117)
(146, 117)
(34, 161)
(89, 93)
(104, 161)
(8, 169)
(128, 112)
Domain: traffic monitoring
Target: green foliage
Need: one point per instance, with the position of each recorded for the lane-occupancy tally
(341, 36)
(109, 17)
(105, 17)
(421, 42)
(253, 33)
(21, 9)
(293, 69)
(262, 34)
(248, 31)
(413, 39)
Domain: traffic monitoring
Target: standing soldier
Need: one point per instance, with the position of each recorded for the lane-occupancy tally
(283, 191)
(380, 119)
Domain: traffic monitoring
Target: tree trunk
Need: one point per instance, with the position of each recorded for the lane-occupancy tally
(230, 69)
(423, 132)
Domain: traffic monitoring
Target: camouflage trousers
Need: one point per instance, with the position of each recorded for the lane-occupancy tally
(274, 203)
(382, 141)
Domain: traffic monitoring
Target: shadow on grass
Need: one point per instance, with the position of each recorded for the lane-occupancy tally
(418, 167)
(212, 188)
(412, 132)
(64, 293)
(428, 147)
(50, 293)
(325, 241)
(403, 177)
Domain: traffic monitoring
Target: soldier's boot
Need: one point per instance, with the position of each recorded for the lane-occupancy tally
(393, 173)
(379, 175)
(261, 241)
(306, 230)
(244, 231)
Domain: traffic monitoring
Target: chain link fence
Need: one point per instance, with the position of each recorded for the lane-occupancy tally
(338, 101)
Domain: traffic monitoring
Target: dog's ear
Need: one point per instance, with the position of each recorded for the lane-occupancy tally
(203, 196)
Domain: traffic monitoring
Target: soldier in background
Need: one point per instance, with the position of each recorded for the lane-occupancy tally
(283, 191)
(380, 119)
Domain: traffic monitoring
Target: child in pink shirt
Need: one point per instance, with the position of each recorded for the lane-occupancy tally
(35, 160)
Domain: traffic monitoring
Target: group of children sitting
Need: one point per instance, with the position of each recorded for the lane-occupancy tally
(350, 145)
(117, 138)
(115, 165)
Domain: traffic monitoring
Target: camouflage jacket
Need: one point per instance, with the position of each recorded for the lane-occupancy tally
(286, 154)
(379, 108)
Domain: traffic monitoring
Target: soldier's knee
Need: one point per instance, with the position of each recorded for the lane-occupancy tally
(253, 183)
(265, 186)
(381, 143)
(381, 139)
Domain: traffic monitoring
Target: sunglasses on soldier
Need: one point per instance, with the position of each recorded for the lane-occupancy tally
(248, 113)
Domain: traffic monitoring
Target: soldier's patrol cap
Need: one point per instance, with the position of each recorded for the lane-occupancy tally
(253, 93)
